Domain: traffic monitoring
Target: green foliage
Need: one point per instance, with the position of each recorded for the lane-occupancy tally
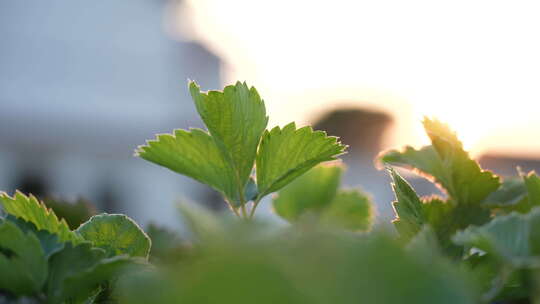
(514, 238)
(408, 208)
(289, 266)
(117, 234)
(313, 191)
(236, 119)
(195, 154)
(316, 194)
(448, 164)
(23, 265)
(350, 210)
(287, 153)
(224, 158)
(74, 213)
(31, 210)
(42, 259)
(480, 243)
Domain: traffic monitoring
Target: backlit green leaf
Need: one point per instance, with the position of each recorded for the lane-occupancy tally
(448, 164)
(31, 210)
(285, 154)
(194, 154)
(515, 238)
(117, 234)
(407, 207)
(236, 119)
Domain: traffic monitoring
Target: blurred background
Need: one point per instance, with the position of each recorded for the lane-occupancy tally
(83, 83)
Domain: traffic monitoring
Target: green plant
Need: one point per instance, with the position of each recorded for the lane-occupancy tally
(45, 261)
(477, 243)
(224, 157)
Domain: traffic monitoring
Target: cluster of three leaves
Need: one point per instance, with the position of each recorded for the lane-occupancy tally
(237, 138)
(39, 253)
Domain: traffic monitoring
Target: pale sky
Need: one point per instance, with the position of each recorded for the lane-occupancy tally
(473, 64)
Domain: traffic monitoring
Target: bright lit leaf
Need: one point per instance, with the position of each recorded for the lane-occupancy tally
(194, 154)
(31, 210)
(285, 154)
(407, 207)
(448, 164)
(236, 119)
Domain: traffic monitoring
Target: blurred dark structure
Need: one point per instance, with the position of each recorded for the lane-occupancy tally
(364, 132)
(506, 165)
(82, 83)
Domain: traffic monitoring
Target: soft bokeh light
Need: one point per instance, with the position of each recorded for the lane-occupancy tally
(473, 64)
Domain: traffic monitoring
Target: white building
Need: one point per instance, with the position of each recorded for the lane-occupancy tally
(82, 83)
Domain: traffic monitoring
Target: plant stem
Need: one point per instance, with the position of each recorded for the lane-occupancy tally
(243, 203)
(255, 204)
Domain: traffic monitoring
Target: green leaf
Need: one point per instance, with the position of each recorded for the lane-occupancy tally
(532, 182)
(407, 207)
(285, 154)
(194, 154)
(511, 196)
(117, 234)
(23, 265)
(514, 238)
(350, 210)
(31, 210)
(67, 263)
(83, 285)
(448, 164)
(77, 271)
(50, 243)
(310, 192)
(75, 213)
(236, 119)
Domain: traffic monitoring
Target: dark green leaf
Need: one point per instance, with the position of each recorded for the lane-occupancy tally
(50, 243)
(23, 265)
(67, 263)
